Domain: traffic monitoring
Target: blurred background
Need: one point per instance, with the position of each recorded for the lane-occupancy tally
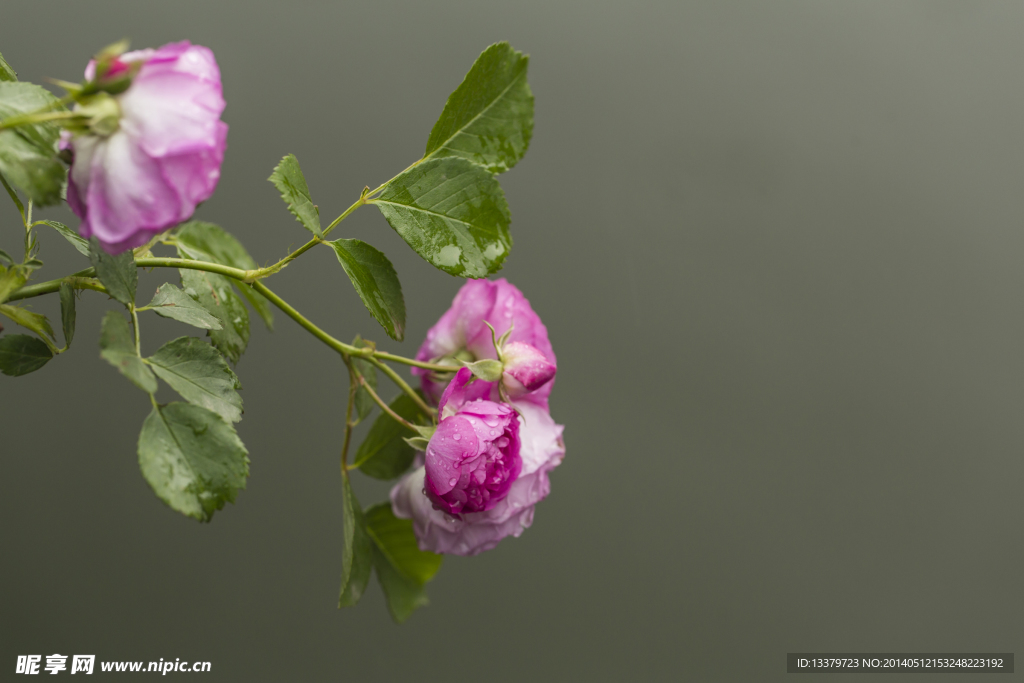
(778, 249)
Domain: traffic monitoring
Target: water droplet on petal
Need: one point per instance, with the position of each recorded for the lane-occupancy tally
(453, 481)
(457, 436)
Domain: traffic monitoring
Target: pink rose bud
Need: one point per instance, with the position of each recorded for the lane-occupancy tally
(473, 457)
(542, 449)
(462, 335)
(157, 155)
(525, 369)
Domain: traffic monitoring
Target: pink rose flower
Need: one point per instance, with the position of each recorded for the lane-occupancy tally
(525, 369)
(165, 156)
(541, 450)
(461, 333)
(473, 457)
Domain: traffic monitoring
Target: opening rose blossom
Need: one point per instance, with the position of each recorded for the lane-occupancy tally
(473, 457)
(462, 335)
(150, 170)
(541, 450)
(527, 374)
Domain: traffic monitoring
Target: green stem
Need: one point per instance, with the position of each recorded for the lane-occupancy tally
(339, 346)
(135, 325)
(28, 119)
(261, 273)
(404, 386)
(189, 264)
(384, 406)
(348, 415)
(45, 113)
(81, 280)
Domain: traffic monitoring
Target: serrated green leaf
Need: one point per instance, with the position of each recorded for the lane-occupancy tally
(67, 312)
(36, 322)
(376, 282)
(402, 568)
(28, 154)
(6, 72)
(193, 459)
(11, 280)
(78, 242)
(489, 118)
(384, 454)
(364, 403)
(452, 213)
(209, 242)
(117, 273)
(117, 347)
(199, 373)
(396, 540)
(21, 354)
(171, 302)
(289, 181)
(356, 557)
(214, 292)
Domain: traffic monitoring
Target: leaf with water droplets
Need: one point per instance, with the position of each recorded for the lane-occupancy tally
(170, 302)
(210, 242)
(117, 273)
(489, 118)
(453, 213)
(193, 459)
(198, 372)
(215, 294)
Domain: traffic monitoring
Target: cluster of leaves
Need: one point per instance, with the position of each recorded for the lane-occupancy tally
(448, 206)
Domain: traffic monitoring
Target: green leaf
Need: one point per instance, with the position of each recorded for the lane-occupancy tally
(36, 322)
(117, 273)
(194, 460)
(210, 242)
(376, 282)
(198, 372)
(214, 292)
(28, 154)
(356, 557)
(289, 181)
(396, 540)
(402, 568)
(489, 118)
(21, 354)
(364, 403)
(171, 302)
(6, 72)
(11, 280)
(384, 454)
(67, 312)
(117, 347)
(79, 243)
(452, 213)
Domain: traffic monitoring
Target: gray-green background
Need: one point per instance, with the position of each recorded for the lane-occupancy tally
(779, 250)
